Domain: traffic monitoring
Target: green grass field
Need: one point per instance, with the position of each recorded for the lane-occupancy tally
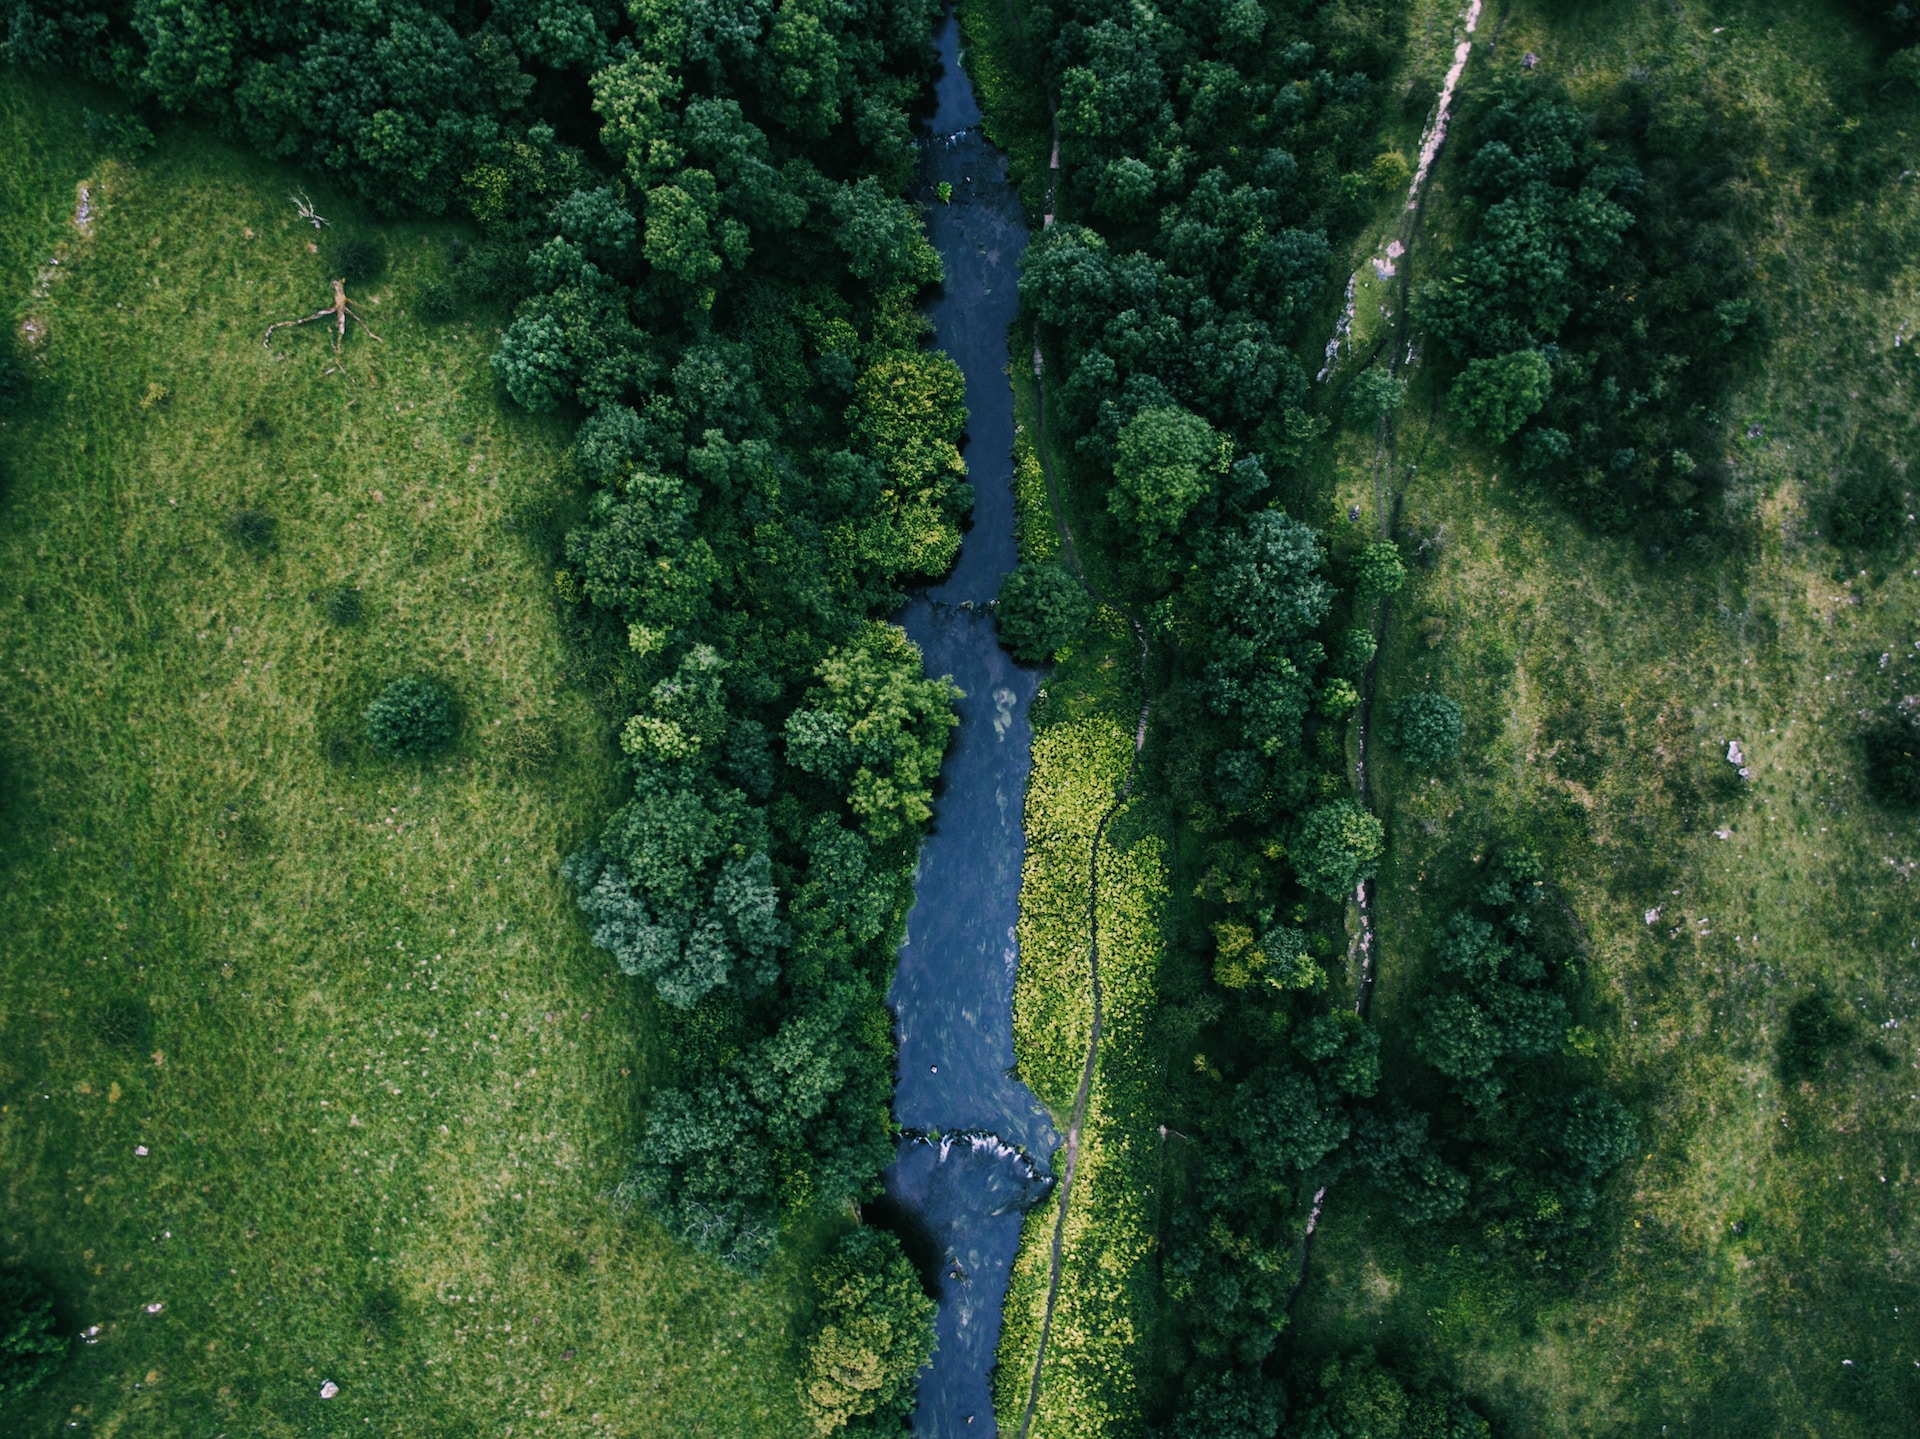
(307, 1071)
(1754, 1271)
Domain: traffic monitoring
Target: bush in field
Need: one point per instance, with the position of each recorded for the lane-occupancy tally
(13, 381)
(876, 1331)
(411, 718)
(1374, 395)
(1893, 756)
(345, 607)
(1378, 571)
(1496, 397)
(1594, 1133)
(356, 260)
(1869, 508)
(1336, 847)
(123, 135)
(255, 529)
(435, 301)
(1425, 728)
(1353, 652)
(1043, 608)
(29, 1348)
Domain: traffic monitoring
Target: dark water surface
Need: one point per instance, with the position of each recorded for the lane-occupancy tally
(958, 1200)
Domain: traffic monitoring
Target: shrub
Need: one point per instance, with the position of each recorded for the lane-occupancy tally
(1496, 397)
(496, 274)
(411, 718)
(124, 1024)
(1893, 756)
(29, 1349)
(1336, 847)
(435, 301)
(344, 606)
(1425, 728)
(254, 529)
(124, 135)
(356, 259)
(1043, 608)
(1868, 508)
(1374, 394)
(1353, 652)
(1815, 1028)
(1378, 571)
(13, 381)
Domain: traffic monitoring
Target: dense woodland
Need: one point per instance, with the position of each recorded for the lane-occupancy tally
(1213, 159)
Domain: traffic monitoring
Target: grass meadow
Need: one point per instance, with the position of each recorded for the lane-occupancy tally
(307, 1072)
(1754, 1269)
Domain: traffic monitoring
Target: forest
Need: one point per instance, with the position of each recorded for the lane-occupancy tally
(1505, 903)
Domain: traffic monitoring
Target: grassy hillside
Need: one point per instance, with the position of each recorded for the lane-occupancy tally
(307, 1071)
(1753, 1271)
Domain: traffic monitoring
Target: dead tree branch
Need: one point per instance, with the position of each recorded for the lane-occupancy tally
(307, 212)
(339, 312)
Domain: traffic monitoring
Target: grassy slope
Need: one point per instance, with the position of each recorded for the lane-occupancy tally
(384, 1083)
(1755, 1270)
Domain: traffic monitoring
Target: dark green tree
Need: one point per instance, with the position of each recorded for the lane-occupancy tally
(1042, 609)
(873, 1334)
(411, 718)
(1495, 397)
(1426, 728)
(29, 1349)
(1336, 846)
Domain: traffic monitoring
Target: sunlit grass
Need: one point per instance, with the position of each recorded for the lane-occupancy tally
(345, 1007)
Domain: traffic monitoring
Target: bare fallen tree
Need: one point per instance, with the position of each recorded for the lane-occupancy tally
(307, 212)
(339, 312)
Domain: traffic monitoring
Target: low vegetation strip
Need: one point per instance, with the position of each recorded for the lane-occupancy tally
(1081, 1302)
(308, 1075)
(1077, 769)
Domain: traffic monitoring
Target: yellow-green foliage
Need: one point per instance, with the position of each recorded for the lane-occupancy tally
(345, 1006)
(1107, 1290)
(1034, 526)
(1077, 770)
(1033, 516)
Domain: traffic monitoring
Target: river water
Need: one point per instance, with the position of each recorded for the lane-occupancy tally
(957, 1200)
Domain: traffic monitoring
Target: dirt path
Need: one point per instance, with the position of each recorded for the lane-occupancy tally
(1388, 498)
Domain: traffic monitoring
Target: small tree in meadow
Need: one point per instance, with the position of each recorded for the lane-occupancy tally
(411, 718)
(1425, 728)
(29, 1348)
(1374, 395)
(1378, 571)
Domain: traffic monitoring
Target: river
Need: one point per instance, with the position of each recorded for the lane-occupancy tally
(957, 1200)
